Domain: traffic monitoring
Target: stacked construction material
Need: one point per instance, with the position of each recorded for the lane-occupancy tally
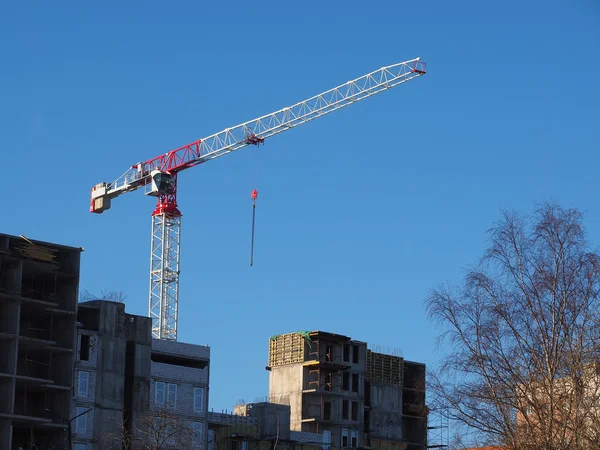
(37, 252)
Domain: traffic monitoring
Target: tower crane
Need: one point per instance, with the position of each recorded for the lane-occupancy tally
(158, 177)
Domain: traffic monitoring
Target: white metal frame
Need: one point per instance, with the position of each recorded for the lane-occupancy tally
(200, 390)
(164, 393)
(83, 374)
(164, 275)
(81, 420)
(231, 139)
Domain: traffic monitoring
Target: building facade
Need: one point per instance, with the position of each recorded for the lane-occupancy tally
(39, 282)
(111, 383)
(354, 397)
(179, 392)
(134, 391)
(260, 426)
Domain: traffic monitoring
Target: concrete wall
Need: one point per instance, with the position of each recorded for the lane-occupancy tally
(285, 387)
(181, 349)
(143, 367)
(179, 373)
(273, 419)
(386, 411)
(304, 437)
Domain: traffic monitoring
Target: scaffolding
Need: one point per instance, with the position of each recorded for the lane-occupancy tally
(438, 428)
(386, 369)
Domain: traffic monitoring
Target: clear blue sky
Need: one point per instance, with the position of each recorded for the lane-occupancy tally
(360, 213)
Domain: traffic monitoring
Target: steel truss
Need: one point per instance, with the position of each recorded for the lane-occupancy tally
(164, 275)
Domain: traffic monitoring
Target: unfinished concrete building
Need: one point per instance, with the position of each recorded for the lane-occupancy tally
(112, 375)
(355, 397)
(260, 426)
(39, 283)
(395, 408)
(130, 388)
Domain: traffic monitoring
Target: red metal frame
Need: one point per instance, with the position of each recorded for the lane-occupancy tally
(419, 67)
(254, 139)
(184, 157)
(167, 203)
(175, 160)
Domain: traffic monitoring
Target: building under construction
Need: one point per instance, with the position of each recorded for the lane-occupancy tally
(38, 303)
(131, 388)
(355, 397)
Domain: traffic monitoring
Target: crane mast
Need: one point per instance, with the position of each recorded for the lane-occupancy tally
(158, 177)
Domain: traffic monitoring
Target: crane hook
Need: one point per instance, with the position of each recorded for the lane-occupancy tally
(254, 196)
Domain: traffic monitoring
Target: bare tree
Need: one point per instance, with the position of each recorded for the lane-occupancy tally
(523, 332)
(157, 429)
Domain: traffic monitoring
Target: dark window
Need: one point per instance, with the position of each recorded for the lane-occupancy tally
(177, 360)
(234, 445)
(346, 381)
(327, 411)
(328, 382)
(355, 354)
(354, 410)
(354, 382)
(345, 439)
(345, 409)
(367, 393)
(328, 353)
(347, 352)
(84, 349)
(354, 442)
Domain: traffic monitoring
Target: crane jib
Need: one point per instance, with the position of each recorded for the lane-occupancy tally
(257, 130)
